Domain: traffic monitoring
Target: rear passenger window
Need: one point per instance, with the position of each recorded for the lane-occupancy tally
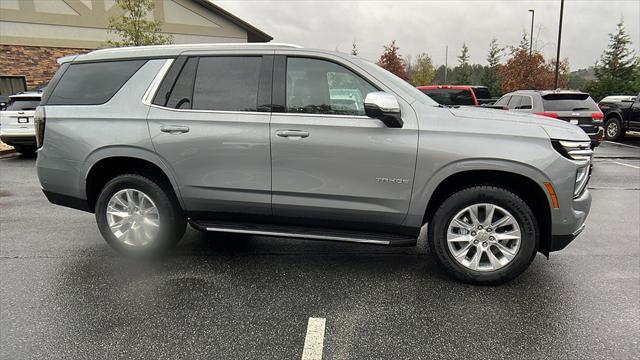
(180, 97)
(227, 83)
(92, 83)
(503, 101)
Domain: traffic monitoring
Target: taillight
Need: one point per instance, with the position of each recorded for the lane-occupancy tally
(39, 119)
(548, 114)
(597, 117)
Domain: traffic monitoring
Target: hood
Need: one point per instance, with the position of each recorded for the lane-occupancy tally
(555, 128)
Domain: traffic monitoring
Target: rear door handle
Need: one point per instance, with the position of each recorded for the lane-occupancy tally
(292, 133)
(174, 129)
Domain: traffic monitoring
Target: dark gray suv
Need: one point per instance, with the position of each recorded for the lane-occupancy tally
(279, 140)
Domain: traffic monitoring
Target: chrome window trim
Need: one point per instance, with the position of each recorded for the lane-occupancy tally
(321, 115)
(210, 111)
(155, 84)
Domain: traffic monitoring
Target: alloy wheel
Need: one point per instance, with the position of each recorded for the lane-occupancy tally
(133, 217)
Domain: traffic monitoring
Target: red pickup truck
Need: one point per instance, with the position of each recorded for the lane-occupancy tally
(454, 95)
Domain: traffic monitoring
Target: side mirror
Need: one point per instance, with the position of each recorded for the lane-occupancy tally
(383, 106)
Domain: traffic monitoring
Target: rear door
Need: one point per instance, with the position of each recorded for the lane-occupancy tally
(575, 108)
(17, 119)
(333, 165)
(210, 123)
(634, 114)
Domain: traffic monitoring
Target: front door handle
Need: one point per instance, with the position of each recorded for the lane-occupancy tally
(292, 133)
(174, 129)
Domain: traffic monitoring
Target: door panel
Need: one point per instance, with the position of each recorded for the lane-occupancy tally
(347, 169)
(222, 162)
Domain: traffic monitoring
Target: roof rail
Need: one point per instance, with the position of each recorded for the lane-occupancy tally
(194, 46)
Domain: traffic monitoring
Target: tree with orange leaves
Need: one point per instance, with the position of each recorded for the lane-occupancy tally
(391, 61)
(531, 72)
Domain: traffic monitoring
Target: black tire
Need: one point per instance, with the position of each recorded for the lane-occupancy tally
(509, 201)
(613, 129)
(172, 220)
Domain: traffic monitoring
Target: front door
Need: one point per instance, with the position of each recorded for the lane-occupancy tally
(331, 164)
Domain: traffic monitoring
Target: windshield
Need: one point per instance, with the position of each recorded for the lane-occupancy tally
(401, 85)
(23, 103)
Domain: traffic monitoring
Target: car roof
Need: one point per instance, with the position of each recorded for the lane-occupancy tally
(619, 98)
(171, 50)
(547, 92)
(27, 94)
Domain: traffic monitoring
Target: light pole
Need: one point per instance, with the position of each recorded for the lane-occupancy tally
(533, 15)
(446, 62)
(559, 38)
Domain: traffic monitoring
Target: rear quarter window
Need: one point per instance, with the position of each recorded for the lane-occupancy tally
(568, 102)
(92, 83)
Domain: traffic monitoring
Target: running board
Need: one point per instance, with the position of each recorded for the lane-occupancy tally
(306, 233)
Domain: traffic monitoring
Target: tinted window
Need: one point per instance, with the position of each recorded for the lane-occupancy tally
(23, 103)
(450, 96)
(482, 93)
(503, 101)
(568, 102)
(182, 91)
(322, 87)
(92, 83)
(227, 83)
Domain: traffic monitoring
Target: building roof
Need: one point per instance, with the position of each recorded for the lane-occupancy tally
(253, 33)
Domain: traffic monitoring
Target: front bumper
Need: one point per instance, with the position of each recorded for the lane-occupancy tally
(573, 222)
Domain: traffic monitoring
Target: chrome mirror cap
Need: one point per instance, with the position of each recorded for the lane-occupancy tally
(385, 107)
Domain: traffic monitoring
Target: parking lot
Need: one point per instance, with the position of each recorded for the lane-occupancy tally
(66, 294)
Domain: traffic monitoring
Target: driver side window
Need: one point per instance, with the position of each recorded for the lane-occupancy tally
(322, 87)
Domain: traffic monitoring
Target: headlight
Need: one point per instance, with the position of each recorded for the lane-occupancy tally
(582, 178)
(574, 150)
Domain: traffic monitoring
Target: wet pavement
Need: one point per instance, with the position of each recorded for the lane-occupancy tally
(66, 294)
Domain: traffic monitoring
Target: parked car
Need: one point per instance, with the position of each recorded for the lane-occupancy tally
(620, 115)
(144, 138)
(619, 98)
(453, 95)
(574, 107)
(16, 122)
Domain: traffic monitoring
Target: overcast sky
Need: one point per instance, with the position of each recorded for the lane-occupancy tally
(429, 25)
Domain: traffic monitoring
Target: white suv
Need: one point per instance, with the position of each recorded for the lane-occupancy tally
(16, 122)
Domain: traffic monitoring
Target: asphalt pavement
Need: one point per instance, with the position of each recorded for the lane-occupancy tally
(65, 294)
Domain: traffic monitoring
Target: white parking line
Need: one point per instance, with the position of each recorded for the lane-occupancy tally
(623, 164)
(615, 143)
(314, 339)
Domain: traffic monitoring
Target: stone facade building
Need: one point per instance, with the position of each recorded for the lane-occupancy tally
(34, 33)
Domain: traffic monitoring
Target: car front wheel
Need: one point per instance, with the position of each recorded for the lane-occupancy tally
(137, 216)
(484, 235)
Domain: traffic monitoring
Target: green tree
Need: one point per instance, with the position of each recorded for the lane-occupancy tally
(490, 75)
(618, 69)
(391, 61)
(132, 27)
(424, 71)
(354, 49)
(463, 70)
(524, 41)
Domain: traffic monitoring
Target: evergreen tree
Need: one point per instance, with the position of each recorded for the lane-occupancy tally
(618, 70)
(391, 61)
(463, 70)
(490, 75)
(133, 28)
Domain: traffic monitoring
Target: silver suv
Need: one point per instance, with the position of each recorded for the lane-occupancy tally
(279, 140)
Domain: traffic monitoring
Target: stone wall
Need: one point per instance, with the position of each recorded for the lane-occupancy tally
(36, 63)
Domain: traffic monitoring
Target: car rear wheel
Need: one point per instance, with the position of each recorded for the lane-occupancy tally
(484, 235)
(613, 129)
(137, 216)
